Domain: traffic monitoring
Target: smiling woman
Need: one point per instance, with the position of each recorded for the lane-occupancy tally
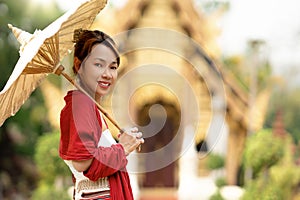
(96, 160)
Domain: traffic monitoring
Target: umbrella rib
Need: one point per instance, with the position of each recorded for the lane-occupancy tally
(63, 34)
(11, 111)
(31, 70)
(51, 46)
(13, 91)
(72, 24)
(83, 10)
(56, 46)
(87, 8)
(76, 18)
(44, 53)
(38, 65)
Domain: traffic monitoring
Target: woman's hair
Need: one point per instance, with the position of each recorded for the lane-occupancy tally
(86, 39)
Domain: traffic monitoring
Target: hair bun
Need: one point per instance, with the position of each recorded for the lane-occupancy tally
(77, 33)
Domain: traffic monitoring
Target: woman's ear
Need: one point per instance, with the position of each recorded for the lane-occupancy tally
(77, 64)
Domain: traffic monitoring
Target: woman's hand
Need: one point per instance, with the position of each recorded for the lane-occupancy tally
(130, 140)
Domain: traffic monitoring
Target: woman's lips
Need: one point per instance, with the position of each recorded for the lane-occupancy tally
(103, 84)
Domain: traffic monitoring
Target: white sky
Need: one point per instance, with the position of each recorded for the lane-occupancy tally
(275, 21)
(265, 19)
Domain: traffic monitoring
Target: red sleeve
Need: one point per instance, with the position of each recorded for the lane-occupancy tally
(80, 129)
(80, 132)
(107, 161)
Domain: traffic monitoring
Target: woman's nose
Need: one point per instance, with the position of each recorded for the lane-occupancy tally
(106, 73)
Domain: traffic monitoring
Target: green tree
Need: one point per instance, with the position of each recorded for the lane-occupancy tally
(215, 161)
(23, 14)
(262, 151)
(263, 189)
(287, 101)
(18, 135)
(55, 177)
(271, 158)
(286, 173)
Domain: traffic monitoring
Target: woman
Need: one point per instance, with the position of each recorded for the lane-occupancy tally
(97, 162)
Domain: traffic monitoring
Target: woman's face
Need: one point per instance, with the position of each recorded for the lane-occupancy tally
(98, 72)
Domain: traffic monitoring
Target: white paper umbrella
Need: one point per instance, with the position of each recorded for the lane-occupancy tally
(41, 53)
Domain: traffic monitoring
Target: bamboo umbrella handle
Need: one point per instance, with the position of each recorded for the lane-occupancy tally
(59, 71)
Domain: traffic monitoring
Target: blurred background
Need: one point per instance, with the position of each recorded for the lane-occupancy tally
(255, 47)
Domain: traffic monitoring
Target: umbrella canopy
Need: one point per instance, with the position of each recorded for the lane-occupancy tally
(41, 53)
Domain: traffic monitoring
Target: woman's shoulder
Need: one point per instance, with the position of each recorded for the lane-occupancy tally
(80, 108)
(79, 102)
(76, 96)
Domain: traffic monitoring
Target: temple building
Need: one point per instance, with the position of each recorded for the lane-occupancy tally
(178, 93)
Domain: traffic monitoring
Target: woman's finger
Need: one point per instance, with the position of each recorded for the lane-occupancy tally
(134, 130)
(139, 135)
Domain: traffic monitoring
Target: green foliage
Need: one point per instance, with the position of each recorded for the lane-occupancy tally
(291, 113)
(288, 102)
(220, 182)
(274, 179)
(24, 15)
(262, 151)
(54, 173)
(8, 45)
(47, 192)
(31, 121)
(286, 174)
(49, 164)
(216, 196)
(18, 134)
(215, 161)
(287, 177)
(263, 189)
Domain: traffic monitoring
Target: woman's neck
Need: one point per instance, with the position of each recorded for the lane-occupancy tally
(85, 90)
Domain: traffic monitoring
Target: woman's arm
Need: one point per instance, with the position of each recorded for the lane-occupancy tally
(106, 161)
(81, 165)
(109, 160)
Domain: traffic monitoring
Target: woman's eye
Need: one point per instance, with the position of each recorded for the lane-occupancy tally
(98, 64)
(114, 67)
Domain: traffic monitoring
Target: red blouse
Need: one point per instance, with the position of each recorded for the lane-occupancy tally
(81, 129)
